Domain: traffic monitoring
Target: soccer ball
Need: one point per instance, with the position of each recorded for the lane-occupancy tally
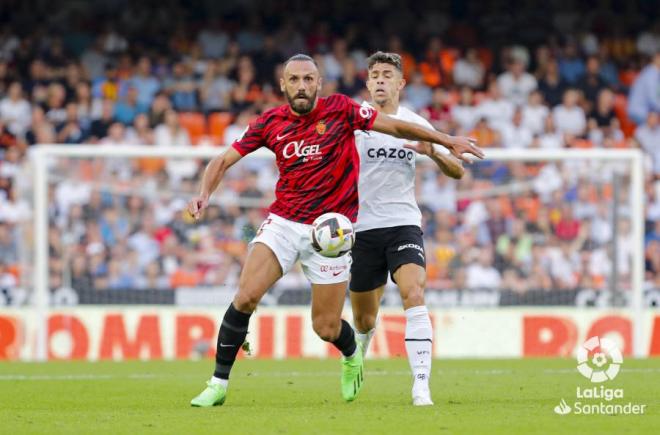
(332, 235)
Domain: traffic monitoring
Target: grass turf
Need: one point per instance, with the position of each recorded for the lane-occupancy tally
(302, 397)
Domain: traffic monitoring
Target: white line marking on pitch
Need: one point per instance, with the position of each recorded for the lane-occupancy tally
(139, 376)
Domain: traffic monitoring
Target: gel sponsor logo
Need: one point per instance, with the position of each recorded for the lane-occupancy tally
(299, 149)
(391, 153)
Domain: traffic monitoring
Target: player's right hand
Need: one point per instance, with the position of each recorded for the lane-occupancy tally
(458, 145)
(197, 205)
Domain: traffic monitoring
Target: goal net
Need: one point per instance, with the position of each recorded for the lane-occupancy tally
(527, 254)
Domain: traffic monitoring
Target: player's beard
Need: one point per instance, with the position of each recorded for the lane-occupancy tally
(301, 107)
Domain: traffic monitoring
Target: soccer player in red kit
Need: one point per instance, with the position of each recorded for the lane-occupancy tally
(313, 141)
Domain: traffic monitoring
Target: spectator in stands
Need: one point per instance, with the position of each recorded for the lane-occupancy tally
(417, 94)
(648, 42)
(71, 130)
(159, 107)
(247, 91)
(516, 84)
(89, 108)
(568, 226)
(81, 279)
(152, 278)
(146, 84)
(516, 134)
(645, 92)
(40, 131)
(140, 133)
(56, 99)
(551, 85)
(236, 129)
(481, 273)
(334, 61)
(8, 245)
(569, 117)
(648, 137)
(266, 60)
(182, 88)
(534, 113)
(7, 138)
(349, 83)
(15, 110)
(571, 66)
(129, 107)
(99, 127)
(464, 113)
(469, 70)
(438, 112)
(116, 135)
(213, 39)
(216, 87)
(495, 108)
(187, 274)
(170, 133)
(485, 135)
(591, 83)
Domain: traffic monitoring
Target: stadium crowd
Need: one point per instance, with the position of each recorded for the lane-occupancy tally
(138, 79)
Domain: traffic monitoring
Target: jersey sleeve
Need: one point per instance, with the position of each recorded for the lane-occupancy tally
(252, 138)
(359, 117)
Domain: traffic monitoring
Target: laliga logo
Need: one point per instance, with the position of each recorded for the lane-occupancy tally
(599, 370)
(299, 149)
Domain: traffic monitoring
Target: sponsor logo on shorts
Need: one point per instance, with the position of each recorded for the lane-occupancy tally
(335, 269)
(410, 246)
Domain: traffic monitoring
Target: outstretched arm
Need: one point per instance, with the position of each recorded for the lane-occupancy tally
(448, 164)
(213, 174)
(457, 145)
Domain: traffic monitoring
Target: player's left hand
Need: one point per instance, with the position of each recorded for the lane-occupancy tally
(424, 148)
(458, 145)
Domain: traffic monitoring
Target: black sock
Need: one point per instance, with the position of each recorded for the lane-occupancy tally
(346, 340)
(231, 336)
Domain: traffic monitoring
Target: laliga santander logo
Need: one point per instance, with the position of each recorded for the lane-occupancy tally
(605, 362)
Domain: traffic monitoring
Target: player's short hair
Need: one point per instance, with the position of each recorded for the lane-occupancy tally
(382, 57)
(302, 57)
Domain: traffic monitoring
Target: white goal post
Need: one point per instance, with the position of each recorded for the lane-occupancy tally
(40, 156)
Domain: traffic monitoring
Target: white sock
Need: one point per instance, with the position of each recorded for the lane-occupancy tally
(365, 339)
(220, 381)
(419, 346)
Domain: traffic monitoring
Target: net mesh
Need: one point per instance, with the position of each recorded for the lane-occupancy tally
(508, 233)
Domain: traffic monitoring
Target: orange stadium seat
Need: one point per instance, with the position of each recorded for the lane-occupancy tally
(195, 124)
(218, 122)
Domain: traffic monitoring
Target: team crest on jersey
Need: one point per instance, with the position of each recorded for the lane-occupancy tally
(320, 127)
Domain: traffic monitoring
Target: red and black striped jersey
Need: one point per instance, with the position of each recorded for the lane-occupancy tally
(316, 156)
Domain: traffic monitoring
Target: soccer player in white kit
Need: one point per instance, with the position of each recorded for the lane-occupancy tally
(388, 228)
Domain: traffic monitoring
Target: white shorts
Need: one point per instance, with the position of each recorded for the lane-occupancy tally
(291, 241)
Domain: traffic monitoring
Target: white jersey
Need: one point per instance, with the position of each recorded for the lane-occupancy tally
(387, 178)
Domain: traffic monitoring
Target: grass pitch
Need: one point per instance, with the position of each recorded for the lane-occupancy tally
(302, 397)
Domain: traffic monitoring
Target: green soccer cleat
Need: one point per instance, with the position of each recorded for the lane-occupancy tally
(352, 376)
(213, 394)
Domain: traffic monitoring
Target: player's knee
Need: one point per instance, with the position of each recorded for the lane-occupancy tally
(412, 295)
(364, 321)
(327, 329)
(246, 301)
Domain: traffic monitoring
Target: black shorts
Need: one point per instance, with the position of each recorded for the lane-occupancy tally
(380, 250)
